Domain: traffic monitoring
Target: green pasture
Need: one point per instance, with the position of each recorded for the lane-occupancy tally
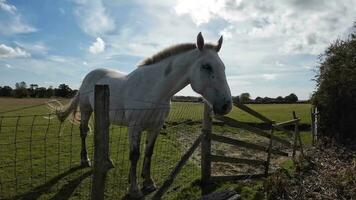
(45, 164)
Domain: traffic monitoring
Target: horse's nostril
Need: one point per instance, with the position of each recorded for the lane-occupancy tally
(225, 106)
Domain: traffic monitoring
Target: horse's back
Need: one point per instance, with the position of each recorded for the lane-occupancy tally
(113, 78)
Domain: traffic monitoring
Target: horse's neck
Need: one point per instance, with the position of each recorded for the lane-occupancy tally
(170, 76)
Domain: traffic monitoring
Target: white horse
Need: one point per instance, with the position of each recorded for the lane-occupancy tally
(141, 99)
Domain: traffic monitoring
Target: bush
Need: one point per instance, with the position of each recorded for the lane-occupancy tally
(336, 90)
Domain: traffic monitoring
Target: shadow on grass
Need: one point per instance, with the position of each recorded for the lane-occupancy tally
(64, 193)
(67, 190)
(260, 125)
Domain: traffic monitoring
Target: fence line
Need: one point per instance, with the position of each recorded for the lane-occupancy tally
(53, 148)
(50, 152)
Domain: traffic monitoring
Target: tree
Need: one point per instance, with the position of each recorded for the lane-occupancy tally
(41, 92)
(20, 90)
(336, 90)
(245, 97)
(292, 98)
(258, 99)
(63, 91)
(49, 92)
(280, 99)
(5, 91)
(235, 99)
(32, 90)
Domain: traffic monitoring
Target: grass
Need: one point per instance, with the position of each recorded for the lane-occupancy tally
(276, 112)
(47, 166)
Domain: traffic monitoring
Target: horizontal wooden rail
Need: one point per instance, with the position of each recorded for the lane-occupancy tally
(216, 158)
(237, 124)
(236, 177)
(244, 144)
(252, 112)
(262, 117)
(293, 121)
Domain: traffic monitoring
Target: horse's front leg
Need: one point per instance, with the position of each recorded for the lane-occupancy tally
(135, 138)
(148, 184)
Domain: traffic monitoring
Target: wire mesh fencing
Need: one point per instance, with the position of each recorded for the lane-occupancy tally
(40, 156)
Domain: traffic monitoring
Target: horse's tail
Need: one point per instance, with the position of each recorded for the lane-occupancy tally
(63, 113)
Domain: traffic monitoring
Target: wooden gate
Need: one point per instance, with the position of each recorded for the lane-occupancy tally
(207, 157)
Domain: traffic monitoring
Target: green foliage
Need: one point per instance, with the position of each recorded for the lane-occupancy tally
(251, 190)
(292, 98)
(20, 90)
(336, 92)
(63, 91)
(289, 166)
(5, 91)
(245, 97)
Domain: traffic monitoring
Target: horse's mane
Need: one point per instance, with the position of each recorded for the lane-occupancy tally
(171, 51)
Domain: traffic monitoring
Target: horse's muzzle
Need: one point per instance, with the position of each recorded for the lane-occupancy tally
(222, 109)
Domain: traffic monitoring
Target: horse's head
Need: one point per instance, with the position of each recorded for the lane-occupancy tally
(208, 77)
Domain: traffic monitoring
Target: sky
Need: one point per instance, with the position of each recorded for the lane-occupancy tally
(270, 48)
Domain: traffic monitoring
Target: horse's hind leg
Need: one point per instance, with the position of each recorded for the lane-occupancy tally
(84, 128)
(148, 185)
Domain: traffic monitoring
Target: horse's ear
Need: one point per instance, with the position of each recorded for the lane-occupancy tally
(220, 41)
(200, 41)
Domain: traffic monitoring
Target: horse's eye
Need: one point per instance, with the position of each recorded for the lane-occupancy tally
(207, 67)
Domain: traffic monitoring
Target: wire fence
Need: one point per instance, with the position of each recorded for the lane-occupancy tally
(40, 156)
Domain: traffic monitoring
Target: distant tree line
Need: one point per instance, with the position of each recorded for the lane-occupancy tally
(246, 98)
(21, 90)
(187, 99)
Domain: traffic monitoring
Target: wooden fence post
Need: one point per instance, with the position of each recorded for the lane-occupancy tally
(297, 137)
(316, 115)
(312, 115)
(206, 147)
(102, 162)
(298, 134)
(269, 153)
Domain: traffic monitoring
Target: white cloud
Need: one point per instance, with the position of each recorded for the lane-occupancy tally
(201, 11)
(7, 7)
(227, 32)
(33, 47)
(288, 21)
(263, 38)
(10, 52)
(98, 46)
(93, 17)
(6, 66)
(12, 22)
(269, 77)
